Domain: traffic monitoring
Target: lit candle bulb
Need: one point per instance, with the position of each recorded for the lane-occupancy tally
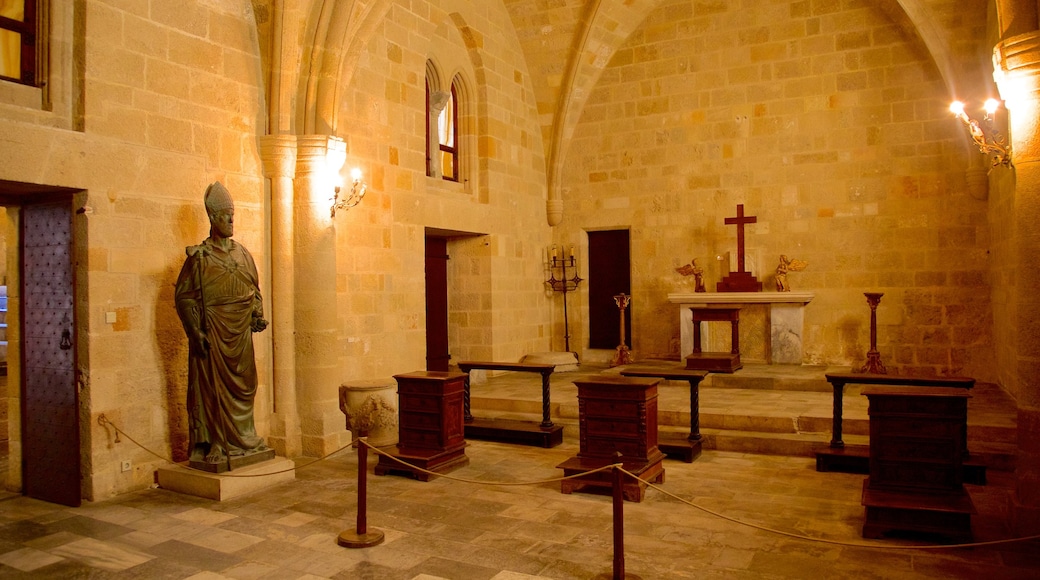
(991, 106)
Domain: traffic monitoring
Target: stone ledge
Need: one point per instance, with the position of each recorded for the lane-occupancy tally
(564, 361)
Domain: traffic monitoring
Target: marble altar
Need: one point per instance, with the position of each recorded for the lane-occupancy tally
(777, 339)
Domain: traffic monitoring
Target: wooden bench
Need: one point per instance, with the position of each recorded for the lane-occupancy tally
(855, 458)
(689, 448)
(544, 434)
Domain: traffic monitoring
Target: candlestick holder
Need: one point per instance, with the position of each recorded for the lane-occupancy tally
(622, 356)
(874, 364)
(564, 285)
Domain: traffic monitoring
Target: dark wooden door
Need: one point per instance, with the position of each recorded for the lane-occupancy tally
(50, 416)
(437, 355)
(608, 276)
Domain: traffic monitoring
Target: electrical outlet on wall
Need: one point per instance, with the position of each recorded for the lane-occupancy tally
(124, 465)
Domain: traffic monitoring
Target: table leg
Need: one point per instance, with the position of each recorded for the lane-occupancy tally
(696, 335)
(839, 389)
(546, 422)
(695, 410)
(467, 416)
(735, 340)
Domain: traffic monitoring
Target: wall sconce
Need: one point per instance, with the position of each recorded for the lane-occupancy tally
(988, 139)
(357, 193)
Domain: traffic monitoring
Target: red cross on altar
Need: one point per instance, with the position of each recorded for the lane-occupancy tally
(739, 221)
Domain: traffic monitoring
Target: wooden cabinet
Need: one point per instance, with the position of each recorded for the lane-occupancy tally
(431, 425)
(917, 437)
(616, 415)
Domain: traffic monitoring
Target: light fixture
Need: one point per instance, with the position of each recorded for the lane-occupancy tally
(985, 135)
(357, 193)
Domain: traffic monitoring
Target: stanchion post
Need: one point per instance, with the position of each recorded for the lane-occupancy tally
(361, 537)
(619, 523)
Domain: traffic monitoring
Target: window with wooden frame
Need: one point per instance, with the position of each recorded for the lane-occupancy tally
(448, 137)
(18, 41)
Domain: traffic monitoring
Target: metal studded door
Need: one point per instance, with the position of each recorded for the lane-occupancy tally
(50, 416)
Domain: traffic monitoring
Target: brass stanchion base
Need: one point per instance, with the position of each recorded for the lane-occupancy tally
(352, 539)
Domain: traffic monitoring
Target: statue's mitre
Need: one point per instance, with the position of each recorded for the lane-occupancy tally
(218, 198)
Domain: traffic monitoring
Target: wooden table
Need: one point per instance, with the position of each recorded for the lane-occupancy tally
(544, 434)
(720, 362)
(690, 448)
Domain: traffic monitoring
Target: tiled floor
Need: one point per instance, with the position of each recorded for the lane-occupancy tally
(751, 517)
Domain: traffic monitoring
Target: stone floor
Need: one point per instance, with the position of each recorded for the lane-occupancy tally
(742, 515)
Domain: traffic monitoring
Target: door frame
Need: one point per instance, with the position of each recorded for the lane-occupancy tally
(15, 195)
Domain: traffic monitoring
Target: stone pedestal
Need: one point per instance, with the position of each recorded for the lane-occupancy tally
(229, 485)
(371, 406)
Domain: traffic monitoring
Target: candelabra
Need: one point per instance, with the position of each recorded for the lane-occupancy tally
(986, 136)
(354, 197)
(563, 284)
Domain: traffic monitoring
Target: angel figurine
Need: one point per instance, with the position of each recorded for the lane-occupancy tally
(786, 266)
(698, 274)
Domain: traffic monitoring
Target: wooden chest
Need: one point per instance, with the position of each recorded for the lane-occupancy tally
(431, 433)
(917, 444)
(616, 415)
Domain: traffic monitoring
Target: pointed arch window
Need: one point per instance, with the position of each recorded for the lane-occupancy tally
(18, 41)
(448, 137)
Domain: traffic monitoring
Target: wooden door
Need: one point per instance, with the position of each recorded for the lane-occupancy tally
(608, 276)
(50, 415)
(437, 356)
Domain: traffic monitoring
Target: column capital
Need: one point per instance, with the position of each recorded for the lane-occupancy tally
(1016, 66)
(278, 155)
(311, 152)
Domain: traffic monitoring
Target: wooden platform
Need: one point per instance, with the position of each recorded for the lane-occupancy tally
(511, 431)
(677, 446)
(948, 516)
(856, 459)
(437, 462)
(716, 362)
(633, 490)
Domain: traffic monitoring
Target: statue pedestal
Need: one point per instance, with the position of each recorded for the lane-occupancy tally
(229, 485)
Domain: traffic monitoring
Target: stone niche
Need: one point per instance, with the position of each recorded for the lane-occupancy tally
(771, 324)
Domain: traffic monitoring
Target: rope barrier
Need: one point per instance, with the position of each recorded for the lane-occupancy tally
(482, 482)
(104, 422)
(823, 540)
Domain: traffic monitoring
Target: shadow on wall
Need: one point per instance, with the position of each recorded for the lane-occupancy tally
(850, 331)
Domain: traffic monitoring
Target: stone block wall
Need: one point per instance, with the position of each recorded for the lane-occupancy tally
(496, 214)
(164, 99)
(830, 124)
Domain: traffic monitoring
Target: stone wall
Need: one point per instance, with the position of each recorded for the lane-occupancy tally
(830, 124)
(496, 214)
(163, 100)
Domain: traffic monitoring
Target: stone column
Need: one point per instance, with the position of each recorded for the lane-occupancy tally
(278, 155)
(314, 250)
(1018, 75)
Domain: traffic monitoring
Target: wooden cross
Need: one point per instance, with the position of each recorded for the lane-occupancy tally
(739, 221)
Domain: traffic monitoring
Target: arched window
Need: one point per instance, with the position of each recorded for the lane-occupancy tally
(448, 137)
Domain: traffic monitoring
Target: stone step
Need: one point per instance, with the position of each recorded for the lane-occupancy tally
(998, 455)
